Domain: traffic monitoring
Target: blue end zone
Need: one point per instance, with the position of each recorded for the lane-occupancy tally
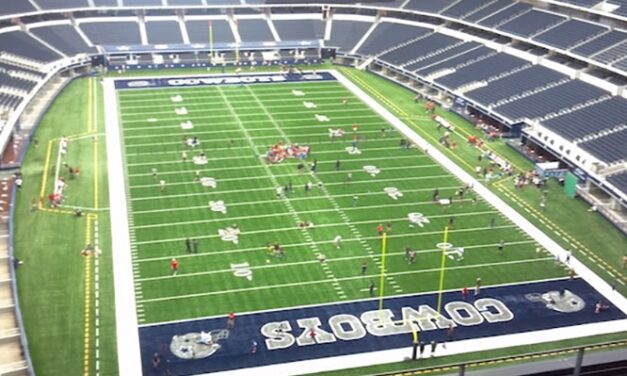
(496, 311)
(213, 80)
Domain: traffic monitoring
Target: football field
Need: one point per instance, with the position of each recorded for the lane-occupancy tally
(235, 126)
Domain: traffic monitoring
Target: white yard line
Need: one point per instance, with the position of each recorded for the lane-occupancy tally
(283, 229)
(151, 97)
(243, 108)
(218, 124)
(218, 129)
(368, 160)
(308, 262)
(199, 221)
(353, 182)
(298, 107)
(301, 245)
(251, 167)
(127, 334)
(304, 198)
(285, 199)
(212, 117)
(391, 274)
(270, 189)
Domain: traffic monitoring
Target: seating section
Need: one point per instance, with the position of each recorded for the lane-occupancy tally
(612, 54)
(135, 3)
(20, 43)
(619, 181)
(483, 70)
(441, 56)
(552, 100)
(621, 64)
(16, 7)
(254, 30)
(431, 6)
(298, 30)
(8, 101)
(531, 23)
(163, 32)
(65, 4)
(64, 38)
(387, 35)
(105, 3)
(346, 34)
(582, 3)
(534, 77)
(184, 2)
(609, 148)
(7, 67)
(505, 15)
(457, 61)
(590, 120)
(8, 80)
(464, 7)
(488, 10)
(112, 33)
(428, 44)
(622, 10)
(600, 43)
(198, 31)
(570, 33)
(387, 4)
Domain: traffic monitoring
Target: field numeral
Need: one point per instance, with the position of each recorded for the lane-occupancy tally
(242, 270)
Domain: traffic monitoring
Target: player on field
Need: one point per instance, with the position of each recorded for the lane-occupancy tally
(194, 246)
(230, 322)
(371, 288)
(153, 172)
(338, 241)
(355, 201)
(337, 165)
(188, 245)
(174, 266)
(501, 246)
(412, 257)
(477, 286)
(364, 267)
(161, 185)
(380, 229)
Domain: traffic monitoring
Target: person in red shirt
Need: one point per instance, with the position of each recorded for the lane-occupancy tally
(380, 229)
(230, 323)
(174, 266)
(464, 293)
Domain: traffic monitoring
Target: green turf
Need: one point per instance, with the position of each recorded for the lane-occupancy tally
(51, 281)
(235, 126)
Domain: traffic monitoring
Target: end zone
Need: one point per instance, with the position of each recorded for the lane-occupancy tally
(356, 334)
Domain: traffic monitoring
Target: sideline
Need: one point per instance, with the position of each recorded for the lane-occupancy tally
(127, 334)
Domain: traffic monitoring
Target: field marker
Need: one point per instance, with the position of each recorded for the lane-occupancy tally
(356, 208)
(247, 289)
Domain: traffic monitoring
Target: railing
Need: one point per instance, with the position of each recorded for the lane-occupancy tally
(462, 367)
(16, 299)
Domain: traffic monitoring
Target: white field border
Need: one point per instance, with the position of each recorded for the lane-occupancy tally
(129, 359)
(127, 333)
